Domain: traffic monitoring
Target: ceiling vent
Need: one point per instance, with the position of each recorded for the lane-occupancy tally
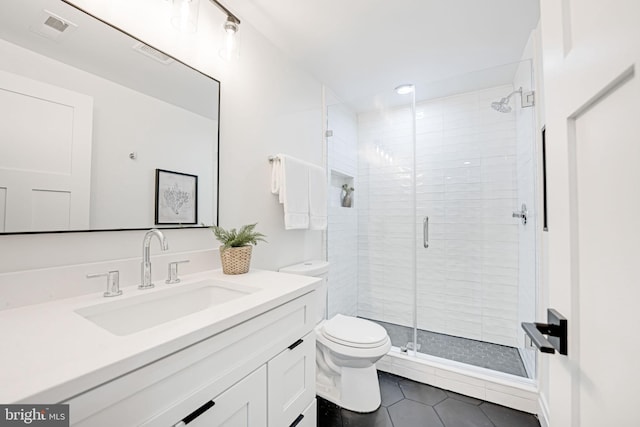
(153, 53)
(52, 26)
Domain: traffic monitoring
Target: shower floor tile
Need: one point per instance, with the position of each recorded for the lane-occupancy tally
(478, 353)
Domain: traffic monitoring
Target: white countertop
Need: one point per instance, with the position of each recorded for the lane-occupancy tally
(49, 353)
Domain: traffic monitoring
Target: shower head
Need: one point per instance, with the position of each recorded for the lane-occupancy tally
(502, 106)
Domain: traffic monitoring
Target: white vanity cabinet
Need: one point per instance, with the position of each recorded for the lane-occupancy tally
(257, 373)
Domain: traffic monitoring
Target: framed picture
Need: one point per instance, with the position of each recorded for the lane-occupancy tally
(176, 198)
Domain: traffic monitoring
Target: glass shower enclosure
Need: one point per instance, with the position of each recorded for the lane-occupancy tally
(435, 246)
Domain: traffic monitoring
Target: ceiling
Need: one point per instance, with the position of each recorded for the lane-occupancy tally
(362, 48)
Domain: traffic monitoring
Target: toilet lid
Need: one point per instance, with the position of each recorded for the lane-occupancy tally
(354, 332)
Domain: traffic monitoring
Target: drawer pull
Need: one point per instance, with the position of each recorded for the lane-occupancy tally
(297, 421)
(295, 344)
(195, 414)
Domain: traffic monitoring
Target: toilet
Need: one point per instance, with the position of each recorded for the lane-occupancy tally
(347, 349)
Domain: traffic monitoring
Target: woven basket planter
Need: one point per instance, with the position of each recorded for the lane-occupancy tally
(235, 260)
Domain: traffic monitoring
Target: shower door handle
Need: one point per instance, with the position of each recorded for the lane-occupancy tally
(522, 214)
(425, 232)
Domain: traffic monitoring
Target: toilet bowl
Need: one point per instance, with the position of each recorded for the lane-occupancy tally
(347, 349)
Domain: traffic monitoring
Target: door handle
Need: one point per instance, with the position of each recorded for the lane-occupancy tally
(555, 329)
(425, 232)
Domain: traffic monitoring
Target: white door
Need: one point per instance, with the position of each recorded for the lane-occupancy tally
(45, 156)
(591, 66)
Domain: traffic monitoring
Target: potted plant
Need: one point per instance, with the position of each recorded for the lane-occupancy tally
(346, 198)
(235, 251)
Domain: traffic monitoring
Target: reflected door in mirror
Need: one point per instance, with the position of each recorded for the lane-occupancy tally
(45, 156)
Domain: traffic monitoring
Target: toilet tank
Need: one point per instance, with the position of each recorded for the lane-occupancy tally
(314, 268)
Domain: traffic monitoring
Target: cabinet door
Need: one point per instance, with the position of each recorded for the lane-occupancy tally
(292, 381)
(243, 405)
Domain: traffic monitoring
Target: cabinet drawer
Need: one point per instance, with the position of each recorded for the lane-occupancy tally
(243, 405)
(309, 418)
(292, 381)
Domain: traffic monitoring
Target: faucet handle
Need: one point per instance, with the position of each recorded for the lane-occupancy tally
(113, 282)
(173, 272)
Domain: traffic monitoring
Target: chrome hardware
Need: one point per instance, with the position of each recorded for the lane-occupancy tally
(425, 232)
(528, 99)
(522, 213)
(173, 272)
(145, 282)
(113, 282)
(410, 346)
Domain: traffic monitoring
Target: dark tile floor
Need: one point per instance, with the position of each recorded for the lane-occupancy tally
(406, 403)
(478, 353)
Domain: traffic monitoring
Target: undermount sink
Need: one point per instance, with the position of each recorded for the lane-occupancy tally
(127, 316)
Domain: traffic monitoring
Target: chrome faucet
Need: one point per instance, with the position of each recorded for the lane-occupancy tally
(146, 258)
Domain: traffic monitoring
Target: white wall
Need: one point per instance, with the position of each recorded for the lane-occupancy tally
(268, 105)
(467, 185)
(342, 232)
(163, 135)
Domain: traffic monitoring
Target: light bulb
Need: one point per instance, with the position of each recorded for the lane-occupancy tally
(184, 15)
(230, 49)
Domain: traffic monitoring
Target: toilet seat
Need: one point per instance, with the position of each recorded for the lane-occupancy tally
(353, 332)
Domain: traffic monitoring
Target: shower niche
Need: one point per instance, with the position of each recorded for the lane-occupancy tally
(341, 189)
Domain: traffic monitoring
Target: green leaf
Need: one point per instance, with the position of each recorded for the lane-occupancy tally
(236, 238)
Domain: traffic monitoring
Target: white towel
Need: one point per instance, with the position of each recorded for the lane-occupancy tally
(294, 192)
(317, 198)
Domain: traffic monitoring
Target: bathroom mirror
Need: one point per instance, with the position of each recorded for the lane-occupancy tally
(89, 114)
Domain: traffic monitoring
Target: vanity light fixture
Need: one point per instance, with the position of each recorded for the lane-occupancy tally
(230, 49)
(185, 17)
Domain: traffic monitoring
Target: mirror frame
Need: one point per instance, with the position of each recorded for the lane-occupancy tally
(217, 198)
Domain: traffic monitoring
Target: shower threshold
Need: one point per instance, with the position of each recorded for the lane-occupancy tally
(478, 353)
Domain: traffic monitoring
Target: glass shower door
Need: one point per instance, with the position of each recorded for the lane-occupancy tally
(386, 203)
(476, 279)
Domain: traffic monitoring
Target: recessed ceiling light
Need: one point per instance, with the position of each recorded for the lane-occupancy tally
(404, 89)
